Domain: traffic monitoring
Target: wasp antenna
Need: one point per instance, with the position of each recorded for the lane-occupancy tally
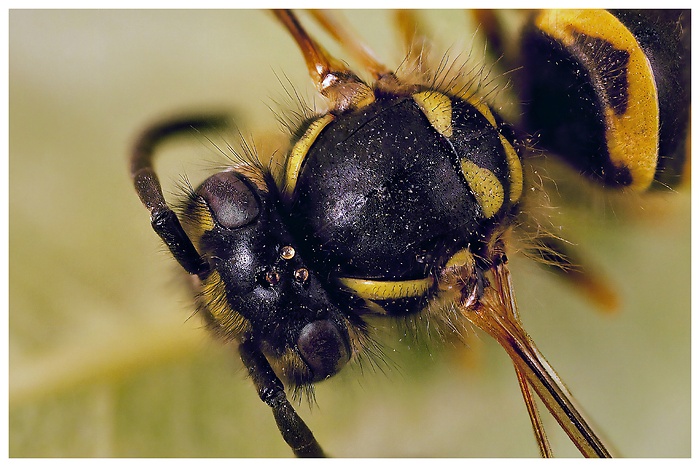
(340, 85)
(163, 219)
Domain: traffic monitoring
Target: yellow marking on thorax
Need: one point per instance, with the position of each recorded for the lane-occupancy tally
(363, 98)
(515, 170)
(483, 109)
(372, 289)
(458, 268)
(300, 150)
(437, 107)
(463, 257)
(485, 186)
(632, 138)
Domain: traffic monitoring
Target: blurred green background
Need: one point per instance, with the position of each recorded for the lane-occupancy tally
(106, 359)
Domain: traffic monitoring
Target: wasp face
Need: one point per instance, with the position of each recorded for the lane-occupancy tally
(262, 290)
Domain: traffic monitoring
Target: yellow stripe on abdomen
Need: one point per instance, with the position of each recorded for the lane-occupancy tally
(631, 133)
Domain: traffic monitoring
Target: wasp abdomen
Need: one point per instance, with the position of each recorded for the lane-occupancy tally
(608, 91)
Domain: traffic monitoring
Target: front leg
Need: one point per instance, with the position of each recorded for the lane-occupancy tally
(271, 391)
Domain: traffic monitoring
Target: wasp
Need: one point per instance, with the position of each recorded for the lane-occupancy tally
(401, 197)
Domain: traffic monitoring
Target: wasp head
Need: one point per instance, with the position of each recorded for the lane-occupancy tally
(259, 288)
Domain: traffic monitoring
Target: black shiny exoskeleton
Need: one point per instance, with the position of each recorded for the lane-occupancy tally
(400, 194)
(370, 201)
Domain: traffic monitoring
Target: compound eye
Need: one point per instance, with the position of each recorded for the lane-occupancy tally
(231, 201)
(324, 348)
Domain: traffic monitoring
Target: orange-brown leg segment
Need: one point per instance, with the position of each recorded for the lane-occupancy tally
(343, 89)
(352, 42)
(490, 26)
(511, 310)
(490, 315)
(559, 257)
(486, 299)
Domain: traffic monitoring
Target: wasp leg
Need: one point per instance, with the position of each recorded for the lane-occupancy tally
(343, 35)
(511, 310)
(491, 314)
(336, 82)
(415, 41)
(271, 391)
(558, 256)
(163, 219)
(485, 297)
(462, 277)
(534, 413)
